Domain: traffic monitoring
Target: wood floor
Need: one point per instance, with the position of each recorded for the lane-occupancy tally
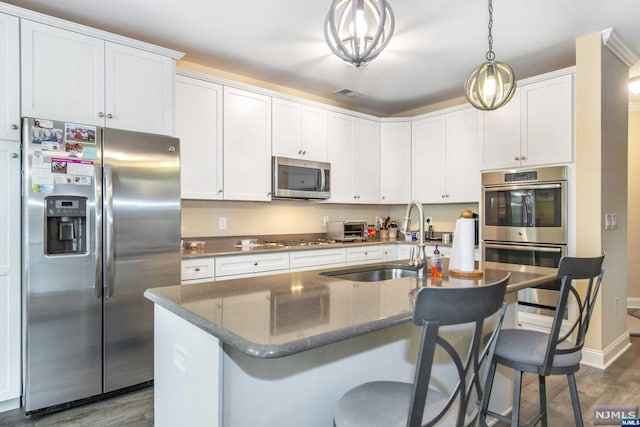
(618, 385)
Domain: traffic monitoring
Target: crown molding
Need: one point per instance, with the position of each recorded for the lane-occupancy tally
(619, 48)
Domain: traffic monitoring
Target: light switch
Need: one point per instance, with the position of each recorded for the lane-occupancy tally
(222, 223)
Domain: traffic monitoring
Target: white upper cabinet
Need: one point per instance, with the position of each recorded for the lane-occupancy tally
(445, 157)
(9, 78)
(199, 127)
(74, 77)
(247, 145)
(341, 157)
(395, 162)
(366, 161)
(534, 128)
(354, 153)
(139, 90)
(299, 131)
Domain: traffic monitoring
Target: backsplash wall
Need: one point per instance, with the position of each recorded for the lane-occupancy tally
(200, 218)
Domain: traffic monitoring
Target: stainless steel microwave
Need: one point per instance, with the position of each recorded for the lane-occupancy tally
(300, 179)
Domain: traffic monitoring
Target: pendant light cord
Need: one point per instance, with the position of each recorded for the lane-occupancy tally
(490, 54)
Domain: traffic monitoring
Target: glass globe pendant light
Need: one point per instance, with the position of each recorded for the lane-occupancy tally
(492, 84)
(358, 30)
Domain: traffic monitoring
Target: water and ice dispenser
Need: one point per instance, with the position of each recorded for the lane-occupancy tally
(65, 225)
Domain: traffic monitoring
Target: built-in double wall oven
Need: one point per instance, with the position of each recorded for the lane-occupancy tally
(524, 221)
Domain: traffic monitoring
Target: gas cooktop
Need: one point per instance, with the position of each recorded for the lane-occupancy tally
(302, 242)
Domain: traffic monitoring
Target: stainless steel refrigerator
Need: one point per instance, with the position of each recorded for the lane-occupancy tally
(101, 223)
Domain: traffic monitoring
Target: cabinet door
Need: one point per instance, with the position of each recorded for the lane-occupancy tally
(250, 265)
(463, 173)
(341, 157)
(62, 74)
(199, 127)
(395, 162)
(9, 271)
(9, 78)
(547, 121)
(139, 90)
(501, 136)
(366, 161)
(287, 132)
(428, 168)
(314, 134)
(247, 145)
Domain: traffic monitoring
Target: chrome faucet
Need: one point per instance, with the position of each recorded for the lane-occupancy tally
(418, 258)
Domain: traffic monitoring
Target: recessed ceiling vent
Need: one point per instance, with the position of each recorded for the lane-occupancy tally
(348, 92)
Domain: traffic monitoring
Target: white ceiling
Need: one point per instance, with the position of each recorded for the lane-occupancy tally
(435, 46)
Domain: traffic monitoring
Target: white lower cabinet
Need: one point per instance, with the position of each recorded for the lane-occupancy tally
(10, 386)
(317, 258)
(197, 270)
(366, 254)
(238, 266)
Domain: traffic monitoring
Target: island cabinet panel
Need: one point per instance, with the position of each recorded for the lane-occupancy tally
(299, 131)
(75, 77)
(187, 373)
(197, 270)
(534, 128)
(395, 162)
(199, 127)
(237, 266)
(317, 258)
(247, 145)
(9, 78)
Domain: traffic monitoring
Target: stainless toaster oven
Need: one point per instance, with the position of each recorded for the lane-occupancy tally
(347, 231)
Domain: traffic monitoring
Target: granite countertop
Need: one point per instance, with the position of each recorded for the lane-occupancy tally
(284, 314)
(220, 246)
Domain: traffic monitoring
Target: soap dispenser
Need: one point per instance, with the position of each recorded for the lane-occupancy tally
(436, 266)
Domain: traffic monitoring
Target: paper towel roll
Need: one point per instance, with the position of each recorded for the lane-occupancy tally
(463, 248)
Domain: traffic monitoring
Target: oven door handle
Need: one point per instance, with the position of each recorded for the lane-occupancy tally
(521, 187)
(524, 248)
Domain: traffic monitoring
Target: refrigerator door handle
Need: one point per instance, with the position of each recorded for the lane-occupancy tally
(108, 220)
(97, 288)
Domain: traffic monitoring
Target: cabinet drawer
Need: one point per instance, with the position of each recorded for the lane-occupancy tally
(197, 268)
(365, 254)
(251, 264)
(317, 257)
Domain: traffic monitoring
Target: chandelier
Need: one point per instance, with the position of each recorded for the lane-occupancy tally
(358, 30)
(492, 84)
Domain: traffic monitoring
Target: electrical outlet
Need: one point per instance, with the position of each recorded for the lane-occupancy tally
(181, 359)
(325, 220)
(429, 220)
(222, 223)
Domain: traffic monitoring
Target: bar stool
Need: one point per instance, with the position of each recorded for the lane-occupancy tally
(390, 403)
(555, 353)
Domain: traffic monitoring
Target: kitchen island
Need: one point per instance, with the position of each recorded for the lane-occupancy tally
(280, 350)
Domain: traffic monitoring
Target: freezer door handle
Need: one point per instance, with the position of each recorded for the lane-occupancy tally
(108, 221)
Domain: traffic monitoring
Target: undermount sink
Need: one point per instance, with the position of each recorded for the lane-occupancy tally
(373, 274)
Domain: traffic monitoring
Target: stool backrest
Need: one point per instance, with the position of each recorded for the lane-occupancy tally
(571, 272)
(436, 307)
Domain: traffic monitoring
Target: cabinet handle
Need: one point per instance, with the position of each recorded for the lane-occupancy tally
(299, 151)
(366, 254)
(446, 195)
(516, 158)
(14, 126)
(100, 114)
(14, 155)
(109, 116)
(523, 158)
(197, 268)
(442, 195)
(220, 191)
(255, 263)
(304, 152)
(383, 197)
